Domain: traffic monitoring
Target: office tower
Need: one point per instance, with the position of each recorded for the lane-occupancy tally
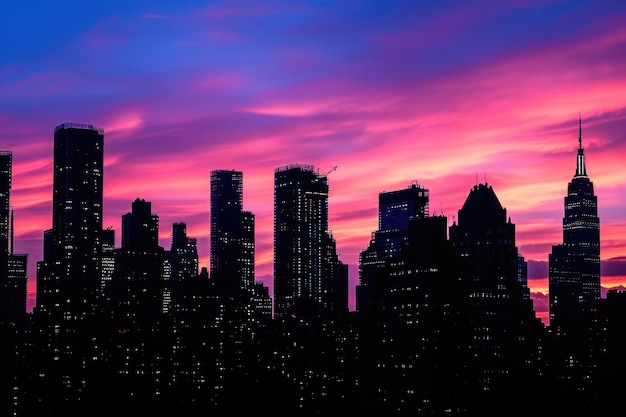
(139, 283)
(502, 327)
(140, 228)
(140, 298)
(232, 232)
(183, 256)
(415, 337)
(395, 209)
(13, 279)
(70, 274)
(6, 166)
(5, 192)
(13, 267)
(309, 278)
(574, 265)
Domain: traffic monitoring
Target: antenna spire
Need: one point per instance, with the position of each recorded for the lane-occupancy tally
(581, 171)
(580, 132)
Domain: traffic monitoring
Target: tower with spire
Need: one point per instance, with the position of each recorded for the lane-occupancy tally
(574, 265)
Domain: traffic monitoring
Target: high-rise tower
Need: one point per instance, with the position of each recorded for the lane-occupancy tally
(69, 276)
(140, 298)
(183, 257)
(6, 161)
(574, 265)
(13, 279)
(395, 209)
(232, 232)
(501, 322)
(308, 275)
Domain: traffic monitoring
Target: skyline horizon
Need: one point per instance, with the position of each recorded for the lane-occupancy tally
(445, 94)
(540, 298)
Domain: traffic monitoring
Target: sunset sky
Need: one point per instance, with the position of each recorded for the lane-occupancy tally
(389, 92)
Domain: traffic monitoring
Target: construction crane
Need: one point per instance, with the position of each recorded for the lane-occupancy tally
(325, 172)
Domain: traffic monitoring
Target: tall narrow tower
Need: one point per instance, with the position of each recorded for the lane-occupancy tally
(232, 232)
(308, 275)
(6, 161)
(574, 266)
(69, 276)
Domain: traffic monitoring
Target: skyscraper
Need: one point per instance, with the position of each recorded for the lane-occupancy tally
(308, 275)
(183, 257)
(6, 161)
(232, 232)
(501, 325)
(140, 297)
(13, 277)
(395, 209)
(69, 276)
(574, 265)
(13, 280)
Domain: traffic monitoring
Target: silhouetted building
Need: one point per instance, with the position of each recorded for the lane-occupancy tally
(395, 209)
(140, 307)
(140, 228)
(6, 168)
(421, 350)
(69, 276)
(574, 265)
(13, 282)
(503, 332)
(308, 276)
(13, 267)
(232, 232)
(183, 257)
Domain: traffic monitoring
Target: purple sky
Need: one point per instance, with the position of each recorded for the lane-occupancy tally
(442, 93)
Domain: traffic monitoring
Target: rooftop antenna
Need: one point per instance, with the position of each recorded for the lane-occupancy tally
(580, 159)
(580, 131)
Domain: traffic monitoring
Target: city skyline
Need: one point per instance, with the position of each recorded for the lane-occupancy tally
(374, 91)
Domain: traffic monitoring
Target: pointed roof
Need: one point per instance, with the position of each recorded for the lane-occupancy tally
(482, 206)
(581, 171)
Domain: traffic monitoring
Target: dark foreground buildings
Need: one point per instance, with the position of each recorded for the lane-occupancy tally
(444, 324)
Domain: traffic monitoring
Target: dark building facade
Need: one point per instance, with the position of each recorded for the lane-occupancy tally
(421, 343)
(502, 330)
(308, 276)
(183, 258)
(574, 265)
(139, 293)
(69, 276)
(6, 169)
(395, 209)
(13, 267)
(13, 283)
(232, 232)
